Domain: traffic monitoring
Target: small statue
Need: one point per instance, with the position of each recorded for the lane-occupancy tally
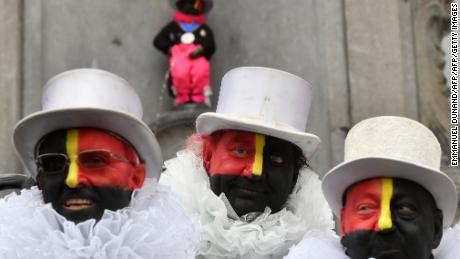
(189, 43)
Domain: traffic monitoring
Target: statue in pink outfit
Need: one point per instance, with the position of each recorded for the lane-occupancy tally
(189, 42)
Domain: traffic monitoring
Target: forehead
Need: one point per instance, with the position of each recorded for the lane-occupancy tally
(402, 188)
(95, 138)
(235, 136)
(239, 136)
(364, 187)
(407, 188)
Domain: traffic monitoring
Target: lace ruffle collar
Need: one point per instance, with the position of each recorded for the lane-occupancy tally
(268, 236)
(450, 244)
(317, 245)
(154, 226)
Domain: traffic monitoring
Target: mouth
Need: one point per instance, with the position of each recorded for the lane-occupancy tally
(76, 204)
(390, 253)
(249, 192)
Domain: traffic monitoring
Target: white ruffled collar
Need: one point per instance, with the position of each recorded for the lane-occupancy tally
(450, 244)
(268, 236)
(317, 245)
(154, 226)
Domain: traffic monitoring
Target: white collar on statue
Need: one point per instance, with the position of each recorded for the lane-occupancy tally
(268, 235)
(154, 226)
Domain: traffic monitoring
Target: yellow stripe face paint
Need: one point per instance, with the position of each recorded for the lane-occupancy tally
(258, 156)
(385, 211)
(368, 206)
(72, 153)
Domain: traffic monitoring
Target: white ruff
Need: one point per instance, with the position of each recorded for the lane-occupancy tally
(154, 226)
(268, 236)
(318, 245)
(450, 244)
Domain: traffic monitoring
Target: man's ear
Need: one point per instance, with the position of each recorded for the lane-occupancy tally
(342, 219)
(138, 177)
(208, 149)
(39, 180)
(438, 222)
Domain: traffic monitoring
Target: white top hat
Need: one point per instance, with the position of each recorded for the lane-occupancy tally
(266, 101)
(397, 147)
(88, 98)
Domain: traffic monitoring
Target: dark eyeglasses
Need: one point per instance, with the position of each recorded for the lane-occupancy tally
(88, 159)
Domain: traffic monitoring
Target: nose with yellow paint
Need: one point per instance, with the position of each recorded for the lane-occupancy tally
(385, 222)
(72, 153)
(257, 166)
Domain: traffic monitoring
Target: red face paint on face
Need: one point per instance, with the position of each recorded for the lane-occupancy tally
(236, 153)
(367, 206)
(81, 184)
(414, 227)
(252, 170)
(120, 174)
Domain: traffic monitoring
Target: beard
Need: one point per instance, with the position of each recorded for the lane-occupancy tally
(244, 195)
(365, 244)
(97, 200)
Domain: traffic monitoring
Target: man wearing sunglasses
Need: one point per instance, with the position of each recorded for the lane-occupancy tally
(96, 165)
(246, 172)
(100, 171)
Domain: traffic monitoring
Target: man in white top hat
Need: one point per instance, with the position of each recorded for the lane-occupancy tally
(390, 195)
(96, 164)
(245, 172)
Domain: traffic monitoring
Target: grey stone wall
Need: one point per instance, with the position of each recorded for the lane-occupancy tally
(380, 59)
(10, 80)
(301, 37)
(363, 58)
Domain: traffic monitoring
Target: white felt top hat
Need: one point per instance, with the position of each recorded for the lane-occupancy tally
(266, 101)
(396, 147)
(88, 98)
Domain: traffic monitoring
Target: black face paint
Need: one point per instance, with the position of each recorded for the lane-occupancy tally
(56, 192)
(416, 231)
(102, 198)
(271, 189)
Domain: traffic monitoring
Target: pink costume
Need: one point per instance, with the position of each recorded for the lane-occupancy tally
(189, 76)
(189, 43)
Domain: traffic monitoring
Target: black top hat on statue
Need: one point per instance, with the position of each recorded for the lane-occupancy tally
(196, 7)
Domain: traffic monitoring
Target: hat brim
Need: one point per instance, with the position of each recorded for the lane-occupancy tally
(210, 122)
(207, 5)
(338, 179)
(32, 128)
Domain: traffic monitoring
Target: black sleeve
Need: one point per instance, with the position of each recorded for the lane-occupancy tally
(162, 40)
(208, 44)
